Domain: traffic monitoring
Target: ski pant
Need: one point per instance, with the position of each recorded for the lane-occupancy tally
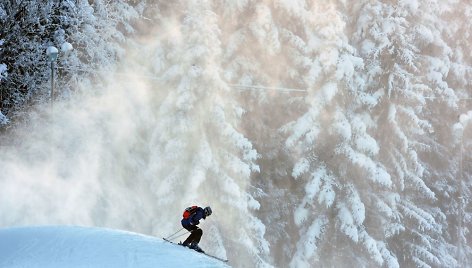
(195, 234)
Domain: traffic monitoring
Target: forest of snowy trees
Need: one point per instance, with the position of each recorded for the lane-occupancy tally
(323, 133)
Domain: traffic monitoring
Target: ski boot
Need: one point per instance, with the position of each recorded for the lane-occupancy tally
(184, 244)
(195, 247)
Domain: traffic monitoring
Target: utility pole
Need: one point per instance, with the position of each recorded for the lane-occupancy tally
(52, 52)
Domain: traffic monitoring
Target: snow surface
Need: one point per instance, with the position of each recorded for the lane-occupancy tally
(71, 246)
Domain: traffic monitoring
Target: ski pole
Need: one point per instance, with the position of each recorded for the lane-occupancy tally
(169, 237)
(174, 234)
(175, 237)
(172, 237)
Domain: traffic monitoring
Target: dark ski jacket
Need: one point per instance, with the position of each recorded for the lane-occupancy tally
(195, 218)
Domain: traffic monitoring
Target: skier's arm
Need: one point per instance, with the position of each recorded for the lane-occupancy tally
(195, 220)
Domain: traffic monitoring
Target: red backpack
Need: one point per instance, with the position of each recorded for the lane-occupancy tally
(188, 212)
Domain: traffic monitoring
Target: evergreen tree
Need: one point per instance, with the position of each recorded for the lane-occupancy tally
(343, 184)
(28, 28)
(197, 129)
(258, 34)
(407, 59)
(24, 27)
(458, 188)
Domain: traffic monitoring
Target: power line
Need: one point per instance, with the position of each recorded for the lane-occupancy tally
(269, 88)
(443, 98)
(282, 89)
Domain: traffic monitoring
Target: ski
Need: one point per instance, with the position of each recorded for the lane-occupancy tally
(214, 257)
(169, 241)
(211, 256)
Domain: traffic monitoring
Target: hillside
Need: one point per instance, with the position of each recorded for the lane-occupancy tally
(69, 246)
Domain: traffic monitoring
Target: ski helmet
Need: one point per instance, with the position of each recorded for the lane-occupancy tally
(207, 211)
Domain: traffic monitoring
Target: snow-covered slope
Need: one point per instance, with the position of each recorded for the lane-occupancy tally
(68, 246)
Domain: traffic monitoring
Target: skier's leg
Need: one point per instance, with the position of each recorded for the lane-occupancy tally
(191, 237)
(198, 235)
(195, 236)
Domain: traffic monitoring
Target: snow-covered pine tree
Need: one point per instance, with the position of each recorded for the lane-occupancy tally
(407, 61)
(49, 152)
(263, 59)
(459, 218)
(3, 75)
(96, 32)
(197, 130)
(346, 204)
(24, 29)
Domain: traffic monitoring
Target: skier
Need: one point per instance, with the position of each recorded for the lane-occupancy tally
(191, 218)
